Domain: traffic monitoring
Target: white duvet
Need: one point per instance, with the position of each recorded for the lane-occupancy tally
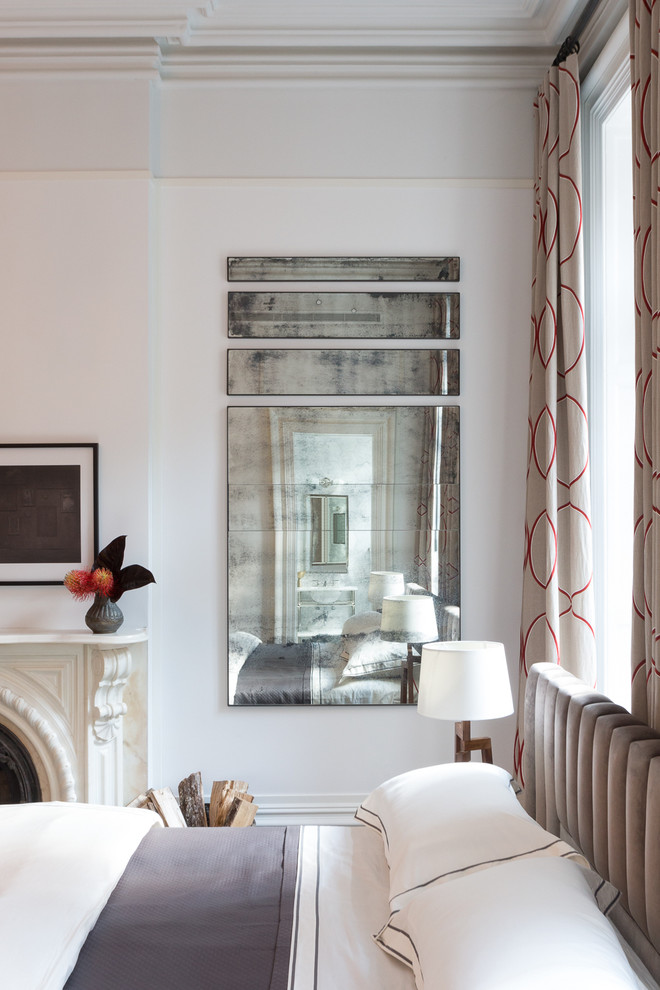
(59, 863)
(342, 901)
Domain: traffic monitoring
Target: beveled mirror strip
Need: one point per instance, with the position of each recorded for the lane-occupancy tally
(421, 315)
(366, 269)
(343, 372)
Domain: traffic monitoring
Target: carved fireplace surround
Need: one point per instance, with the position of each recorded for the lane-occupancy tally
(78, 704)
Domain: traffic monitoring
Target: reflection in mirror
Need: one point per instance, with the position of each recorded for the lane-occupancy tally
(430, 315)
(296, 371)
(303, 628)
(329, 535)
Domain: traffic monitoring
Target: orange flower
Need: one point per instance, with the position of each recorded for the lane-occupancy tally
(104, 582)
(80, 584)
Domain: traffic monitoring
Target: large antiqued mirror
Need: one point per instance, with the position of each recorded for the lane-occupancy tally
(330, 508)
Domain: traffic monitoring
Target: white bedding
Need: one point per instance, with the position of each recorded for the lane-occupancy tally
(343, 891)
(59, 863)
(343, 902)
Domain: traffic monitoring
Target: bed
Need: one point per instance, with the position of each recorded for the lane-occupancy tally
(446, 880)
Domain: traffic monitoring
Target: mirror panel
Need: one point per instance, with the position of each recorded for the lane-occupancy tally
(343, 269)
(425, 315)
(385, 480)
(343, 372)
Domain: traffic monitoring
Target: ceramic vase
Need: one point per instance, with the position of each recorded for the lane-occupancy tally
(103, 616)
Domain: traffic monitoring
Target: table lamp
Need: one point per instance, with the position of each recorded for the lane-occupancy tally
(383, 583)
(461, 681)
(408, 619)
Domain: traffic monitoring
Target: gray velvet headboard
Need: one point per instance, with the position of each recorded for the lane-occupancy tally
(591, 773)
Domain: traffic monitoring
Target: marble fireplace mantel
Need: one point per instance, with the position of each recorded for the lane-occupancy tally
(78, 703)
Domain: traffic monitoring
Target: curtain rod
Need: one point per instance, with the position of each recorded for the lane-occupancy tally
(571, 45)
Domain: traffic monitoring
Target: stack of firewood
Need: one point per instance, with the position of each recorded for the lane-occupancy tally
(230, 806)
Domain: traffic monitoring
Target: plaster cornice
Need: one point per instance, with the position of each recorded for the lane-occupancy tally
(499, 67)
(309, 23)
(90, 57)
(506, 42)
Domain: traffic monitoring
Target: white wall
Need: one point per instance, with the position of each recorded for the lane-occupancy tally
(74, 283)
(328, 751)
(88, 263)
(306, 156)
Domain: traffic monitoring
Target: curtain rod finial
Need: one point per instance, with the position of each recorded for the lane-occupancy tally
(570, 47)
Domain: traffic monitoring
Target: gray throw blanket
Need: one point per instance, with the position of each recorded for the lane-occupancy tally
(197, 908)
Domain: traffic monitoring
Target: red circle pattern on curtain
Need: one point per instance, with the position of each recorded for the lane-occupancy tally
(557, 603)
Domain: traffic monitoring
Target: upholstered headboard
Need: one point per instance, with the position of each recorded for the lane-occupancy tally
(591, 773)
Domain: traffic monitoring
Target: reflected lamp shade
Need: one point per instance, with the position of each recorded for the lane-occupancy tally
(408, 619)
(383, 583)
(464, 680)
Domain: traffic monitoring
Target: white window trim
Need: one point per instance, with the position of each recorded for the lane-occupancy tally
(606, 84)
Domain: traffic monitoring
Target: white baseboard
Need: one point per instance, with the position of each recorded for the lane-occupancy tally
(302, 809)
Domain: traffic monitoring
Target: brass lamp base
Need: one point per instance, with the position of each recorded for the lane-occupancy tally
(464, 745)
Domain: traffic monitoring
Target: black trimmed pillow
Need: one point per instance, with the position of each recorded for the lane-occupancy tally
(528, 923)
(444, 822)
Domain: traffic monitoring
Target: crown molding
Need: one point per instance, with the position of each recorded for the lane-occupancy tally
(138, 59)
(506, 42)
(308, 23)
(67, 19)
(364, 23)
(148, 59)
(507, 68)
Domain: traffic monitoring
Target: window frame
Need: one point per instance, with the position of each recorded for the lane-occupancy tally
(606, 84)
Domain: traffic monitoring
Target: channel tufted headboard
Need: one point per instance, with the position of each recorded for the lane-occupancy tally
(591, 774)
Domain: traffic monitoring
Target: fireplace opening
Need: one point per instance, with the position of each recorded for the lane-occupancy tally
(19, 782)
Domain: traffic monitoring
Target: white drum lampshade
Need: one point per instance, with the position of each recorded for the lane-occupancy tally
(383, 583)
(461, 681)
(408, 619)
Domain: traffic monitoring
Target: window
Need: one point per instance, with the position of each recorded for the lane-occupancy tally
(611, 343)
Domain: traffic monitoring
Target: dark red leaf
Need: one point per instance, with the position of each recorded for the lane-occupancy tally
(112, 556)
(133, 576)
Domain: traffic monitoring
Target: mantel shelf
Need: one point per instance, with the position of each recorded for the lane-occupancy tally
(17, 636)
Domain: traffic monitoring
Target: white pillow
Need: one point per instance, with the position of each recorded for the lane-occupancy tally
(371, 656)
(364, 622)
(531, 923)
(440, 823)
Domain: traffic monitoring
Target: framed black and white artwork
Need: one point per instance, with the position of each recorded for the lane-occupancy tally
(48, 510)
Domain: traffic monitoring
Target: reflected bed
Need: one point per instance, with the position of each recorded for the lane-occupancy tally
(317, 671)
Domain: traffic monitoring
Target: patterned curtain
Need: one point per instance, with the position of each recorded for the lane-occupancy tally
(437, 548)
(557, 600)
(645, 79)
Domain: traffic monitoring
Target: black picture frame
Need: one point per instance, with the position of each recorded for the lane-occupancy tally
(48, 511)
